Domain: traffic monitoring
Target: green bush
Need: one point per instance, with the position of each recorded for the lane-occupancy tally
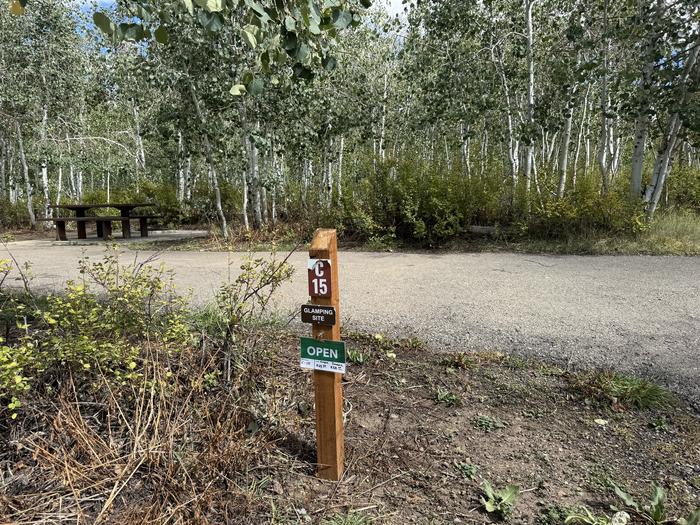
(96, 325)
(13, 215)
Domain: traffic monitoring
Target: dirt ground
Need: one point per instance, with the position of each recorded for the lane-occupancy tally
(414, 459)
(424, 431)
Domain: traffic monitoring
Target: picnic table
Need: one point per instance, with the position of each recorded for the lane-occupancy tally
(102, 222)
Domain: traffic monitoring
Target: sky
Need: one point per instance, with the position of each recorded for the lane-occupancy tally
(395, 7)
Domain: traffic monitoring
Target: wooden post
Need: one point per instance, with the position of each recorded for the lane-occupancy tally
(330, 441)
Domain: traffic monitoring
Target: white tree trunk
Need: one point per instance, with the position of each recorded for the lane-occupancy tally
(382, 151)
(603, 145)
(25, 172)
(339, 178)
(3, 167)
(530, 154)
(180, 168)
(513, 142)
(59, 186)
(45, 169)
(662, 165)
(244, 178)
(210, 162)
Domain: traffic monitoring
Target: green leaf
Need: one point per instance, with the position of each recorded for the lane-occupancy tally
(189, 6)
(509, 495)
(314, 28)
(103, 22)
(488, 490)
(626, 498)
(258, 9)
(301, 71)
(248, 36)
(290, 41)
(329, 63)
(265, 61)
(488, 505)
(658, 504)
(212, 22)
(303, 52)
(133, 32)
(693, 519)
(256, 87)
(341, 19)
(162, 36)
(289, 23)
(215, 5)
(238, 90)
(366, 3)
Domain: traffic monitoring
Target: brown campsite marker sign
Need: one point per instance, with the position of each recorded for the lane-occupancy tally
(315, 314)
(323, 289)
(320, 282)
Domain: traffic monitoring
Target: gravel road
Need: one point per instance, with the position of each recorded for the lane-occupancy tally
(639, 314)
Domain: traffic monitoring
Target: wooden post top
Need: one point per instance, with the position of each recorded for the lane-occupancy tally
(324, 244)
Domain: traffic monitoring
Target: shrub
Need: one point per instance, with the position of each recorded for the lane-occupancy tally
(96, 325)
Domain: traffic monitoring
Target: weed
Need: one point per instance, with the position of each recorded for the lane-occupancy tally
(534, 413)
(459, 361)
(659, 424)
(348, 519)
(500, 502)
(585, 517)
(548, 370)
(654, 512)
(692, 519)
(623, 390)
(555, 515)
(601, 479)
(489, 357)
(488, 423)
(357, 357)
(467, 470)
(517, 363)
(447, 397)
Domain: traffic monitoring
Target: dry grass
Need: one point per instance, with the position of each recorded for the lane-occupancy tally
(168, 450)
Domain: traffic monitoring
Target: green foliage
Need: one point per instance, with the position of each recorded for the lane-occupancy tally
(94, 328)
(5, 269)
(447, 397)
(500, 502)
(249, 294)
(358, 357)
(624, 390)
(654, 512)
(692, 519)
(459, 361)
(348, 519)
(586, 211)
(585, 517)
(684, 188)
(467, 470)
(555, 515)
(12, 215)
(488, 423)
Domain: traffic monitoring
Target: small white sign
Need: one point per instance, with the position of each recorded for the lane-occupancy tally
(324, 366)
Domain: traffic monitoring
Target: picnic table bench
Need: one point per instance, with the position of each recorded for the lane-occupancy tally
(102, 222)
